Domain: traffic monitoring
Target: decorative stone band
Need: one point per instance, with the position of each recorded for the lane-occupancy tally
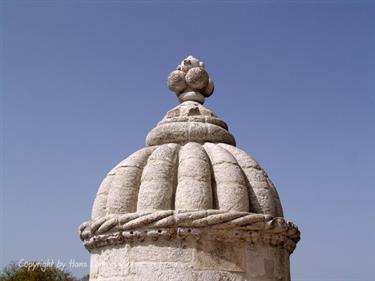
(190, 121)
(191, 129)
(207, 224)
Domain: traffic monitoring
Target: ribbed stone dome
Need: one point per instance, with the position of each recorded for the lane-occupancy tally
(190, 205)
(191, 163)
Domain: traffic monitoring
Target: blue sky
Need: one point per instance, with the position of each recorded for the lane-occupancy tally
(82, 83)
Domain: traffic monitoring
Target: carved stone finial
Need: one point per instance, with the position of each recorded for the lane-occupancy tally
(190, 81)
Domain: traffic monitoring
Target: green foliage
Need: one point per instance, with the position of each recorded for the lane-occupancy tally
(37, 272)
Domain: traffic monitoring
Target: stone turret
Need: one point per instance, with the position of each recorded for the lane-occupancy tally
(190, 205)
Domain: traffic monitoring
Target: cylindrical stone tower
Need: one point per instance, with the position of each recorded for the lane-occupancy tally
(190, 205)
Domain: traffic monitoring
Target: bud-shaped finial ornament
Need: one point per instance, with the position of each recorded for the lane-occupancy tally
(190, 81)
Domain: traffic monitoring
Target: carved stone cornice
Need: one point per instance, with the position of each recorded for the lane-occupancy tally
(200, 224)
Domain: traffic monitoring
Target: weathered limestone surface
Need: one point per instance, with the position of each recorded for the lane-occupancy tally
(191, 81)
(189, 260)
(188, 176)
(191, 205)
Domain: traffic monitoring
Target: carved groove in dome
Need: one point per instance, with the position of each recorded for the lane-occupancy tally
(100, 202)
(194, 190)
(124, 188)
(192, 176)
(157, 182)
(231, 189)
(263, 195)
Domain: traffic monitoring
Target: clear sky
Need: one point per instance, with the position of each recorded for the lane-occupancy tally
(82, 83)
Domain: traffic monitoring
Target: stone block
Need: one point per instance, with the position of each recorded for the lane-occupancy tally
(113, 261)
(161, 271)
(218, 255)
(161, 251)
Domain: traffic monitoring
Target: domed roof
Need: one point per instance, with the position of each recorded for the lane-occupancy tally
(187, 176)
(189, 180)
(190, 163)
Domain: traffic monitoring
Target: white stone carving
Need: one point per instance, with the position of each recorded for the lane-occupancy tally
(209, 224)
(190, 81)
(190, 205)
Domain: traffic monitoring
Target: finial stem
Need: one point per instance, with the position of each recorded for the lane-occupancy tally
(191, 96)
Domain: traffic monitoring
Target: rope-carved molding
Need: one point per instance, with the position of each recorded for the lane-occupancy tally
(215, 224)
